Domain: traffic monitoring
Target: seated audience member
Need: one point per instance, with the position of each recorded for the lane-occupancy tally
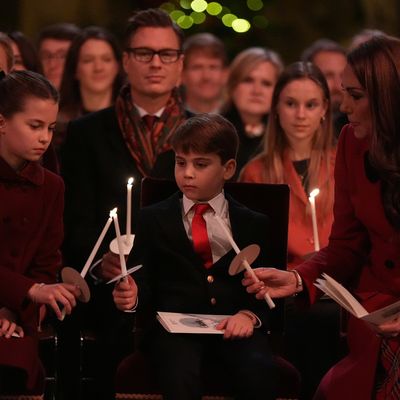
(204, 73)
(25, 55)
(177, 258)
(363, 252)
(103, 149)
(31, 228)
(6, 53)
(330, 58)
(252, 78)
(53, 44)
(92, 77)
(363, 36)
(298, 151)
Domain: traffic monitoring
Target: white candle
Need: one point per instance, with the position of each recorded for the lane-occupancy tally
(246, 264)
(311, 199)
(97, 245)
(120, 246)
(129, 210)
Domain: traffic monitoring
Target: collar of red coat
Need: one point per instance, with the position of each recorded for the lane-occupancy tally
(33, 173)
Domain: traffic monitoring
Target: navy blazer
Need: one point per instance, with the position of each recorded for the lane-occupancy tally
(173, 277)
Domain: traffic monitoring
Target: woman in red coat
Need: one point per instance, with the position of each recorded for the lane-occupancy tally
(31, 229)
(364, 247)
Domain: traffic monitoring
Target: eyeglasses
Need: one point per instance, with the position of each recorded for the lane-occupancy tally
(59, 56)
(145, 55)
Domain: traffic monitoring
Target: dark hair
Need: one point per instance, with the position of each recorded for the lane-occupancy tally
(205, 43)
(321, 45)
(28, 52)
(5, 44)
(60, 31)
(153, 18)
(17, 86)
(71, 100)
(207, 133)
(376, 64)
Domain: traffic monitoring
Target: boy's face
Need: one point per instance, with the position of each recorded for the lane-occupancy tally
(199, 176)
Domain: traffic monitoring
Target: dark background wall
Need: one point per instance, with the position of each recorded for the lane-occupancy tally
(291, 24)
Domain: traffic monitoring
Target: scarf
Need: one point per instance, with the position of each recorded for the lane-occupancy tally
(146, 144)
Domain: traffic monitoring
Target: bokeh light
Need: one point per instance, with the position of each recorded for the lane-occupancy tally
(240, 25)
(198, 5)
(227, 19)
(260, 21)
(198, 18)
(185, 21)
(176, 14)
(214, 8)
(168, 7)
(185, 4)
(255, 5)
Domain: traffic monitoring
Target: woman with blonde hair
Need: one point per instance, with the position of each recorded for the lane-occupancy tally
(251, 81)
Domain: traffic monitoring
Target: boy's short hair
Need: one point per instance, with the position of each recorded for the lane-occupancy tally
(207, 133)
(59, 31)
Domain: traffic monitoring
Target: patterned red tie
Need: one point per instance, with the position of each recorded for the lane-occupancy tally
(149, 120)
(201, 243)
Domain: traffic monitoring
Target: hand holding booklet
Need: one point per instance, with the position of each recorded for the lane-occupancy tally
(344, 298)
(190, 323)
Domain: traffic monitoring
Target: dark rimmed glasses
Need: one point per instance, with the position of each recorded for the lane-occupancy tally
(145, 55)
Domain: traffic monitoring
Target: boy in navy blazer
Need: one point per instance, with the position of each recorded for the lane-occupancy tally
(175, 278)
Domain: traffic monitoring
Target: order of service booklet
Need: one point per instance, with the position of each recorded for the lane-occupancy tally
(344, 298)
(190, 323)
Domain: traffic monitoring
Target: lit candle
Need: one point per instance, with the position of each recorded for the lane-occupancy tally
(129, 210)
(311, 199)
(246, 264)
(97, 245)
(120, 246)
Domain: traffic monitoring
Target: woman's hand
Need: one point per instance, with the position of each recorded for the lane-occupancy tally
(8, 324)
(275, 282)
(110, 267)
(125, 294)
(389, 329)
(55, 295)
(238, 326)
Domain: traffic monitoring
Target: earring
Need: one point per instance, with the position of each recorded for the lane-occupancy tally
(323, 119)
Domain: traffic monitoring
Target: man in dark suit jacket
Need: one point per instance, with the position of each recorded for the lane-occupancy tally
(177, 278)
(104, 149)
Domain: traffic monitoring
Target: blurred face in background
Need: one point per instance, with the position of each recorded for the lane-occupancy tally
(301, 107)
(332, 65)
(52, 54)
(18, 61)
(3, 60)
(97, 66)
(204, 76)
(252, 96)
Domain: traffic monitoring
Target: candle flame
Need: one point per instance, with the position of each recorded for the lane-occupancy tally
(130, 181)
(113, 212)
(314, 193)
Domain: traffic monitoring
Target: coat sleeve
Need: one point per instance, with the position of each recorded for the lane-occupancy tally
(349, 244)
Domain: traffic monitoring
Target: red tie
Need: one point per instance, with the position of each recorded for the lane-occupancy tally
(201, 243)
(149, 120)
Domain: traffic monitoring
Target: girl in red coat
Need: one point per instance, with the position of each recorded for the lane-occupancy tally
(31, 229)
(363, 252)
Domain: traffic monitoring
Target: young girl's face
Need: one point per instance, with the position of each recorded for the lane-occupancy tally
(26, 135)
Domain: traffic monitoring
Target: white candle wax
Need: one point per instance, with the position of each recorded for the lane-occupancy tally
(247, 266)
(96, 246)
(129, 210)
(120, 246)
(311, 199)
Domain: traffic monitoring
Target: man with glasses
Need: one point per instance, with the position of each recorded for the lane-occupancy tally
(103, 149)
(53, 45)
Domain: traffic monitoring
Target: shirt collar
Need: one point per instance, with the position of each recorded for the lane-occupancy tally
(32, 173)
(217, 203)
(142, 112)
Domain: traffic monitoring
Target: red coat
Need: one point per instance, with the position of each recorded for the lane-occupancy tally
(300, 234)
(31, 232)
(363, 253)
